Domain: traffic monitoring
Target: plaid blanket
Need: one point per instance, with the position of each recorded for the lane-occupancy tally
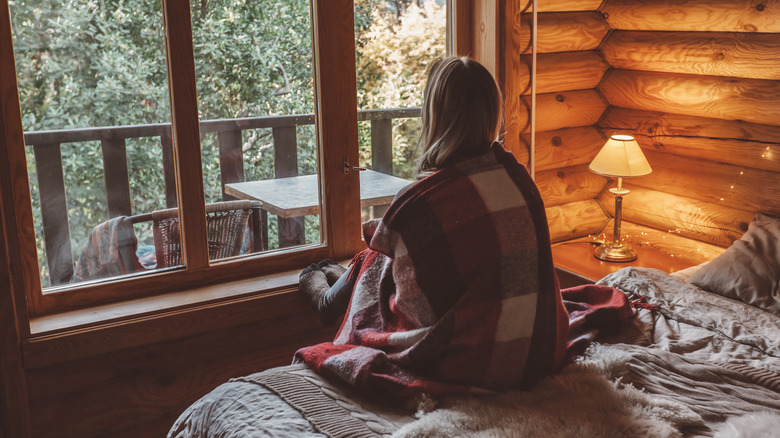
(110, 251)
(456, 291)
(593, 310)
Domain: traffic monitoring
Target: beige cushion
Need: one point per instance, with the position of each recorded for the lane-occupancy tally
(749, 270)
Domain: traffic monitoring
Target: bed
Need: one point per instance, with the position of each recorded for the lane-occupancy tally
(701, 357)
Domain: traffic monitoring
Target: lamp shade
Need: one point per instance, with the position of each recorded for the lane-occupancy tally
(620, 157)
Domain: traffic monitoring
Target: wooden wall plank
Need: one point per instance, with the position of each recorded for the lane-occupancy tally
(735, 187)
(563, 71)
(704, 221)
(702, 15)
(745, 55)
(567, 109)
(152, 384)
(61, 347)
(751, 100)
(727, 141)
(569, 184)
(566, 5)
(564, 32)
(575, 219)
(564, 147)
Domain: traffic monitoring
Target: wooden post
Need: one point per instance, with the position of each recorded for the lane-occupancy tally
(169, 169)
(381, 153)
(382, 145)
(116, 177)
(231, 158)
(54, 212)
(291, 231)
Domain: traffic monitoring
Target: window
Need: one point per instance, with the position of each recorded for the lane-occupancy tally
(394, 41)
(178, 121)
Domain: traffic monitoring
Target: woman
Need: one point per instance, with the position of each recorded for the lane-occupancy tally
(456, 290)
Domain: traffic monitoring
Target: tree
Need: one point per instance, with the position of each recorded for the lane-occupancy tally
(91, 63)
(394, 53)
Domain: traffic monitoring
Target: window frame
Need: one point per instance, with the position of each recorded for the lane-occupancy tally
(336, 127)
(333, 45)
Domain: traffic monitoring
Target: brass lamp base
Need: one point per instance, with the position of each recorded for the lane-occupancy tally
(611, 252)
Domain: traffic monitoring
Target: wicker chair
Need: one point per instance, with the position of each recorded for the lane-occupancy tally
(226, 227)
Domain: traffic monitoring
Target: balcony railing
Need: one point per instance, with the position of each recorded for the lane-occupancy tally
(46, 147)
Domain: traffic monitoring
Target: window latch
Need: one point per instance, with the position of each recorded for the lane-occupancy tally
(347, 167)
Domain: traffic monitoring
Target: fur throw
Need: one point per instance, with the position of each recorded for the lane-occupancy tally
(578, 402)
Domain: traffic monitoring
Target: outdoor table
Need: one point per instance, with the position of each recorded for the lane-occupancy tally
(297, 196)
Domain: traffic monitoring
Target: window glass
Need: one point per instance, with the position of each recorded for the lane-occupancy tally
(253, 65)
(94, 96)
(395, 42)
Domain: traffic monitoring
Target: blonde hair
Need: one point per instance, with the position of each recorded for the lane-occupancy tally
(461, 113)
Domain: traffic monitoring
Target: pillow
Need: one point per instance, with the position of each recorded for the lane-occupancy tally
(749, 270)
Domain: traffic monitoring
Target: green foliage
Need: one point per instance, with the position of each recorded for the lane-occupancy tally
(100, 63)
(393, 55)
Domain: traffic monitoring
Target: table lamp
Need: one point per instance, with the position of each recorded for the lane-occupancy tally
(621, 157)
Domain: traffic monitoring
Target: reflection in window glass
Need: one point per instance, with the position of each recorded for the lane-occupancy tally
(93, 89)
(253, 63)
(395, 40)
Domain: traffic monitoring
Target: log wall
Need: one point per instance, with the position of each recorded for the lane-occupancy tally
(569, 68)
(697, 82)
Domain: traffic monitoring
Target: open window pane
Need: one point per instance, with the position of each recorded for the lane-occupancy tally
(395, 41)
(253, 65)
(93, 87)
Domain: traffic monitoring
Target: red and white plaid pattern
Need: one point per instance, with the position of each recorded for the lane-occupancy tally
(456, 290)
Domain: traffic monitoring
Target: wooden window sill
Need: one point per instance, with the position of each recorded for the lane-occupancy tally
(160, 304)
(270, 300)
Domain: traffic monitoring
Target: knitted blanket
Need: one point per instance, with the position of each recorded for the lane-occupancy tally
(456, 291)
